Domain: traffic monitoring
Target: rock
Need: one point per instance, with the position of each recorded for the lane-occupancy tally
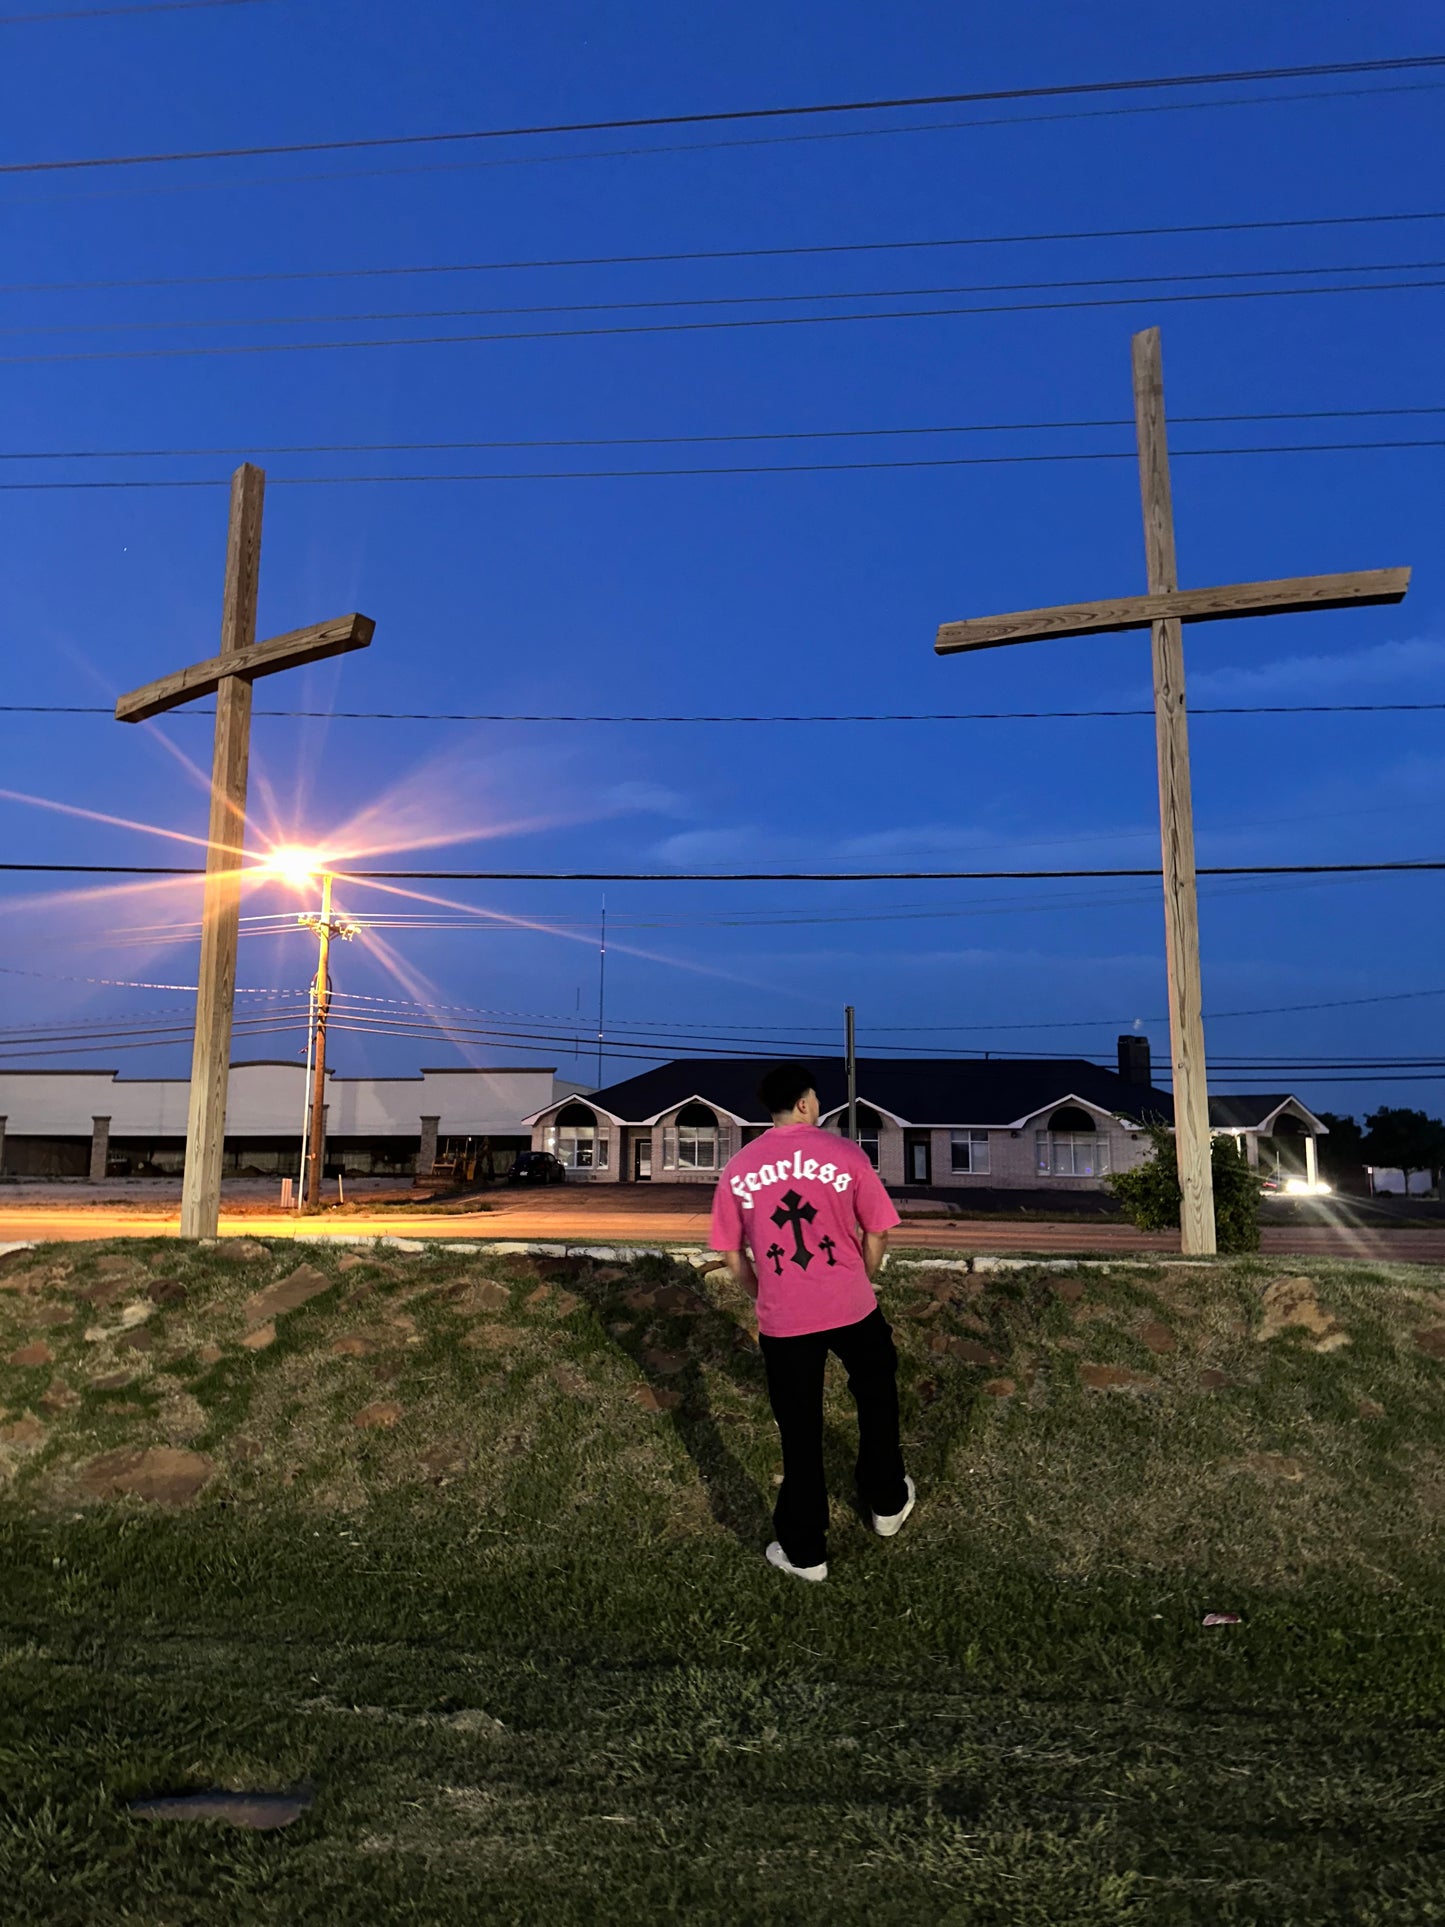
(567, 1303)
(1368, 1408)
(609, 1274)
(353, 1260)
(139, 1340)
(134, 1315)
(1292, 1303)
(620, 1331)
(382, 1412)
(33, 1355)
(111, 1381)
(288, 1294)
(1332, 1342)
(568, 1381)
(669, 1364)
(541, 1296)
(678, 1299)
(164, 1474)
(258, 1340)
(209, 1355)
(246, 1251)
(491, 1338)
(22, 1431)
(246, 1450)
(50, 1316)
(485, 1295)
(167, 1291)
(1211, 1380)
(58, 1397)
(927, 1392)
(1158, 1338)
(1432, 1340)
(653, 1399)
(445, 1459)
(258, 1812)
(641, 1298)
(1071, 1290)
(1000, 1387)
(923, 1308)
(1114, 1378)
(354, 1345)
(968, 1349)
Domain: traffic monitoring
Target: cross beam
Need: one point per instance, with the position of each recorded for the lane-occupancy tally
(1162, 611)
(1293, 596)
(228, 677)
(292, 651)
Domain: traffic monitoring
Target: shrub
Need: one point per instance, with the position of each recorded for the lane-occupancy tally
(1150, 1196)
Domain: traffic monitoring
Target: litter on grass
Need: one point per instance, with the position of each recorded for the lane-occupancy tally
(1223, 1619)
(259, 1811)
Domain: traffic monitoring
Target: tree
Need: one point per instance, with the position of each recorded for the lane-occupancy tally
(1150, 1193)
(1341, 1153)
(1405, 1140)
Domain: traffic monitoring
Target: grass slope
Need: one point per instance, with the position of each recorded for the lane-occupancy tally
(469, 1546)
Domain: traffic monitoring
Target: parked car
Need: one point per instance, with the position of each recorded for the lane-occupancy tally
(537, 1167)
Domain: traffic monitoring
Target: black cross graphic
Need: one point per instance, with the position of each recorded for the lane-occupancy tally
(793, 1214)
(826, 1244)
(775, 1252)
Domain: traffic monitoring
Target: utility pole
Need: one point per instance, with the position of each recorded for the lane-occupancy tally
(851, 1058)
(326, 927)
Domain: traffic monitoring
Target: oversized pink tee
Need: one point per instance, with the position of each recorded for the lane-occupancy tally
(800, 1199)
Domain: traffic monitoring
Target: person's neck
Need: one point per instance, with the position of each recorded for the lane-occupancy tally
(790, 1122)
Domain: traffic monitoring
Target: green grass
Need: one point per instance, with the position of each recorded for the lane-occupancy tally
(522, 1647)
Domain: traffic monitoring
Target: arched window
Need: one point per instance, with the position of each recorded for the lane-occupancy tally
(578, 1139)
(1073, 1146)
(694, 1141)
(869, 1126)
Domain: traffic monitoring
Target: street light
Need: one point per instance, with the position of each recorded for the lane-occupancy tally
(328, 928)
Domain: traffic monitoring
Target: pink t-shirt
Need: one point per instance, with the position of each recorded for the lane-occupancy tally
(800, 1199)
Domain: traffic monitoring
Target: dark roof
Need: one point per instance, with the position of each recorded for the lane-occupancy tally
(1247, 1113)
(921, 1090)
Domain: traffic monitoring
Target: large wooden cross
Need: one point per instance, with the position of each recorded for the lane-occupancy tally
(228, 677)
(1162, 611)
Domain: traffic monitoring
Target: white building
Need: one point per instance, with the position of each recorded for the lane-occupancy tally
(80, 1123)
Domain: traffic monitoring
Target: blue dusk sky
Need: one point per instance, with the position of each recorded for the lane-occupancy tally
(195, 306)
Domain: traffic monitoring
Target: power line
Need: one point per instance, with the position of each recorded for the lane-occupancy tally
(793, 252)
(1239, 76)
(901, 716)
(1407, 865)
(834, 134)
(741, 468)
(716, 300)
(688, 441)
(708, 327)
(108, 13)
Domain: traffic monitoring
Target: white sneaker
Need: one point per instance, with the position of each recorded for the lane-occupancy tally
(777, 1557)
(885, 1525)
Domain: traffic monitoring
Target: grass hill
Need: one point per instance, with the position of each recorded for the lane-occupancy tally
(468, 1548)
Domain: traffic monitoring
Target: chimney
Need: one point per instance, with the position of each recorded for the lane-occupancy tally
(1134, 1065)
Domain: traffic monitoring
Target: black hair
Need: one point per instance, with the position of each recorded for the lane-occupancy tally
(781, 1088)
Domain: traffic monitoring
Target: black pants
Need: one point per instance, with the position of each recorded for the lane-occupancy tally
(795, 1390)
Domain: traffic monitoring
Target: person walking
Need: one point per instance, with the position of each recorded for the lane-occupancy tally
(802, 1220)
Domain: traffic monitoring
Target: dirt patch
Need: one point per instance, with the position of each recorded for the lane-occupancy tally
(490, 1338)
(1275, 1466)
(32, 1356)
(1070, 1290)
(1369, 1408)
(487, 1295)
(257, 1341)
(655, 1398)
(1115, 1378)
(1000, 1387)
(209, 1355)
(48, 1317)
(164, 1474)
(570, 1382)
(112, 1381)
(288, 1294)
(1432, 1340)
(354, 1345)
(22, 1431)
(167, 1291)
(1212, 1380)
(1292, 1304)
(669, 1364)
(967, 1349)
(1158, 1338)
(58, 1397)
(382, 1412)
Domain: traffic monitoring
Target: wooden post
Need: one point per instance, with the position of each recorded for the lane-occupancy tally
(1176, 814)
(850, 1058)
(221, 905)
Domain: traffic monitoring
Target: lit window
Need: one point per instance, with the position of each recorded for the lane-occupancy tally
(969, 1151)
(578, 1140)
(694, 1142)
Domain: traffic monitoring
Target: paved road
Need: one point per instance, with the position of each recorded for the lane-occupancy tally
(676, 1213)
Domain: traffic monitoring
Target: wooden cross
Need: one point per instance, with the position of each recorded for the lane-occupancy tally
(1162, 611)
(228, 677)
